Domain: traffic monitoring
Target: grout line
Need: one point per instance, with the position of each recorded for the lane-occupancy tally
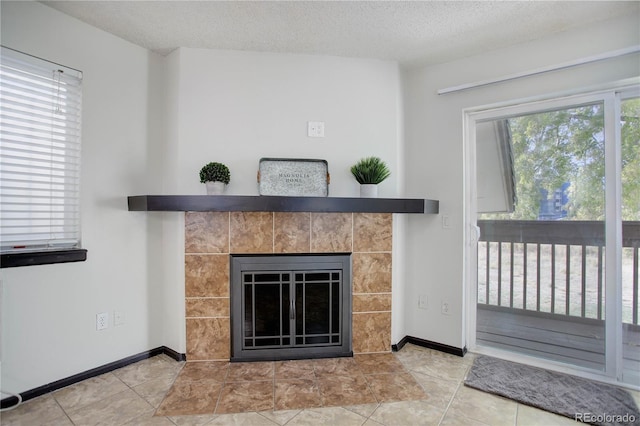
(352, 231)
(59, 405)
(216, 297)
(206, 254)
(446, 410)
(224, 382)
(210, 317)
(310, 232)
(273, 393)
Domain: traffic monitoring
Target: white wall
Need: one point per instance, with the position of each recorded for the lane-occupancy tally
(48, 312)
(435, 154)
(237, 107)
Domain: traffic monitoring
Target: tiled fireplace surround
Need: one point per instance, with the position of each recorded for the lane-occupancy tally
(211, 236)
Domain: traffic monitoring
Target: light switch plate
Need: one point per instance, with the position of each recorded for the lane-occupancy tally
(315, 129)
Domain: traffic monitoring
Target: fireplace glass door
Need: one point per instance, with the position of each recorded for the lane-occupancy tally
(290, 307)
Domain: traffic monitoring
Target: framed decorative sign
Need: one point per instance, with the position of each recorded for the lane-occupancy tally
(293, 177)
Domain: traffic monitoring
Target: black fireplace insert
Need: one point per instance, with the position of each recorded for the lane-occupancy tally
(290, 306)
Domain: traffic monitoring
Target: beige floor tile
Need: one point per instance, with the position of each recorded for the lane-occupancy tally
(238, 419)
(58, 421)
(33, 411)
(447, 368)
(116, 409)
(454, 420)
(280, 417)
(370, 422)
(89, 391)
(149, 369)
(407, 413)
(411, 347)
(412, 352)
(411, 356)
(149, 420)
(439, 392)
(327, 416)
(155, 390)
(483, 407)
(530, 416)
(395, 387)
(466, 359)
(197, 397)
(194, 420)
(363, 409)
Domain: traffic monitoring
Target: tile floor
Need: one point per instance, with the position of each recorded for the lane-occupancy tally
(415, 386)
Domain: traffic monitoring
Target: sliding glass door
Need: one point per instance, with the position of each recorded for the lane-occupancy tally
(556, 278)
(630, 207)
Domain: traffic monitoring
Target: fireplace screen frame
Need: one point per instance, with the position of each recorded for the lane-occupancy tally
(244, 267)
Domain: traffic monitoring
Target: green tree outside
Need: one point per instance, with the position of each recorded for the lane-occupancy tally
(555, 147)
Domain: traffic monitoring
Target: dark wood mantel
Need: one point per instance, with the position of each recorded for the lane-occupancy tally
(261, 203)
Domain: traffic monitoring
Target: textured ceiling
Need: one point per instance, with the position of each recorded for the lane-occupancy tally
(409, 32)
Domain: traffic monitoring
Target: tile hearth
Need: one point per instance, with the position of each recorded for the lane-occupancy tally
(221, 387)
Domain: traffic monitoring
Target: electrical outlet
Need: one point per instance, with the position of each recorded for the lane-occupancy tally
(118, 318)
(446, 221)
(445, 308)
(102, 320)
(422, 301)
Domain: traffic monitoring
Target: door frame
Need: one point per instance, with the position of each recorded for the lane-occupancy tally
(611, 97)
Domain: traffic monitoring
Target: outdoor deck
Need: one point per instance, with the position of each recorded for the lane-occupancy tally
(541, 291)
(572, 340)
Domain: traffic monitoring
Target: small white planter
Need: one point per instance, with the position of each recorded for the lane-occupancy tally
(215, 188)
(368, 190)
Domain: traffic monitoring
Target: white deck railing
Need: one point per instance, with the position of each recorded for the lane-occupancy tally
(554, 266)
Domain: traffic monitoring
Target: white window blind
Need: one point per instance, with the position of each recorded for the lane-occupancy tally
(40, 111)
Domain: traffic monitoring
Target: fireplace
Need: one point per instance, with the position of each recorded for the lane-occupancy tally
(213, 239)
(290, 306)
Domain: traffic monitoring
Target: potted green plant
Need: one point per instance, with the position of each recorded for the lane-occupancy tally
(369, 172)
(215, 176)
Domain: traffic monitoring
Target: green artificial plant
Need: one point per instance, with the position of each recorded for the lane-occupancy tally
(215, 172)
(370, 170)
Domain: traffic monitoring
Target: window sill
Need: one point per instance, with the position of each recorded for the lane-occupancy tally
(12, 260)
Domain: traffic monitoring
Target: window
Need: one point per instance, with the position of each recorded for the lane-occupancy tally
(40, 110)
